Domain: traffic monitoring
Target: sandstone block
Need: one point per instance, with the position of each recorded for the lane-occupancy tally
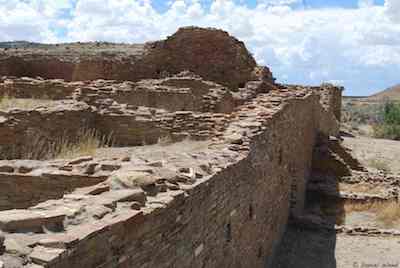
(126, 195)
(46, 256)
(20, 220)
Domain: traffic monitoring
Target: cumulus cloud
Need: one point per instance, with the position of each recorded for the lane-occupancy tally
(393, 9)
(359, 47)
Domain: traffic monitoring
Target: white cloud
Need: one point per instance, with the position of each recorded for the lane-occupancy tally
(393, 9)
(278, 2)
(360, 47)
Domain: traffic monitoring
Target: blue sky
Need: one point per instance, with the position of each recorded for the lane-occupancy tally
(355, 43)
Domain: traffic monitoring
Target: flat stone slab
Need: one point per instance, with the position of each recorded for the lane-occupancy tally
(46, 256)
(20, 220)
(126, 195)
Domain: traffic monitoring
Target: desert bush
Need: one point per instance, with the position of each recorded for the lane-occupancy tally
(362, 113)
(386, 131)
(391, 113)
(389, 127)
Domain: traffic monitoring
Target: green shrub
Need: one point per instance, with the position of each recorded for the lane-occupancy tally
(391, 114)
(387, 131)
(389, 127)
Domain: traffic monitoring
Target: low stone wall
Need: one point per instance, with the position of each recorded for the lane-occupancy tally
(36, 88)
(26, 133)
(29, 133)
(185, 92)
(25, 190)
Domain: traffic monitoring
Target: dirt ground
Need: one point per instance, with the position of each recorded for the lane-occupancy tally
(326, 249)
(375, 153)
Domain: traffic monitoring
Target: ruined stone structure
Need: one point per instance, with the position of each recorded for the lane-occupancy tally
(209, 156)
(212, 54)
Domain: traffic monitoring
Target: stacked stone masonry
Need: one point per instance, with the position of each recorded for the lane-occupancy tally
(209, 156)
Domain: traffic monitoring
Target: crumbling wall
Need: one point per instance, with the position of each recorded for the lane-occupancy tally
(331, 99)
(36, 88)
(26, 190)
(221, 203)
(29, 133)
(235, 218)
(211, 53)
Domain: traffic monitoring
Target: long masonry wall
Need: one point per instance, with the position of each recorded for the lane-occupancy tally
(234, 218)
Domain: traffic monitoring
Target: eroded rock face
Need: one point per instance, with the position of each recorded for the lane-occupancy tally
(210, 53)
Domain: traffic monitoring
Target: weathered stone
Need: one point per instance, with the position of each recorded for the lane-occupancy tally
(80, 160)
(46, 256)
(30, 221)
(127, 195)
(13, 246)
(215, 169)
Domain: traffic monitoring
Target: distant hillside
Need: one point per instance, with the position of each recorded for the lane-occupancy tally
(18, 44)
(392, 93)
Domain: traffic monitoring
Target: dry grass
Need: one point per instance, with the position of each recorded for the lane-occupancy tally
(379, 164)
(7, 103)
(389, 215)
(86, 142)
(387, 212)
(165, 140)
(360, 188)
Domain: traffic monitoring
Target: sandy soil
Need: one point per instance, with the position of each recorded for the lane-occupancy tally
(372, 151)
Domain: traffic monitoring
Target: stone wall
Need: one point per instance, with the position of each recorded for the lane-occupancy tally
(36, 88)
(30, 132)
(211, 53)
(331, 98)
(26, 190)
(234, 217)
(184, 92)
(220, 198)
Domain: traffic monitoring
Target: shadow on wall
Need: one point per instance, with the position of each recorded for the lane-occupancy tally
(310, 239)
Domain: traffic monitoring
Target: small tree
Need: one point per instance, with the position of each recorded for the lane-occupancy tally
(391, 114)
(389, 128)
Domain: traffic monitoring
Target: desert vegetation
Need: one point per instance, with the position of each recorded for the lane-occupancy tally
(8, 102)
(387, 213)
(358, 116)
(379, 164)
(85, 143)
(389, 125)
(378, 119)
